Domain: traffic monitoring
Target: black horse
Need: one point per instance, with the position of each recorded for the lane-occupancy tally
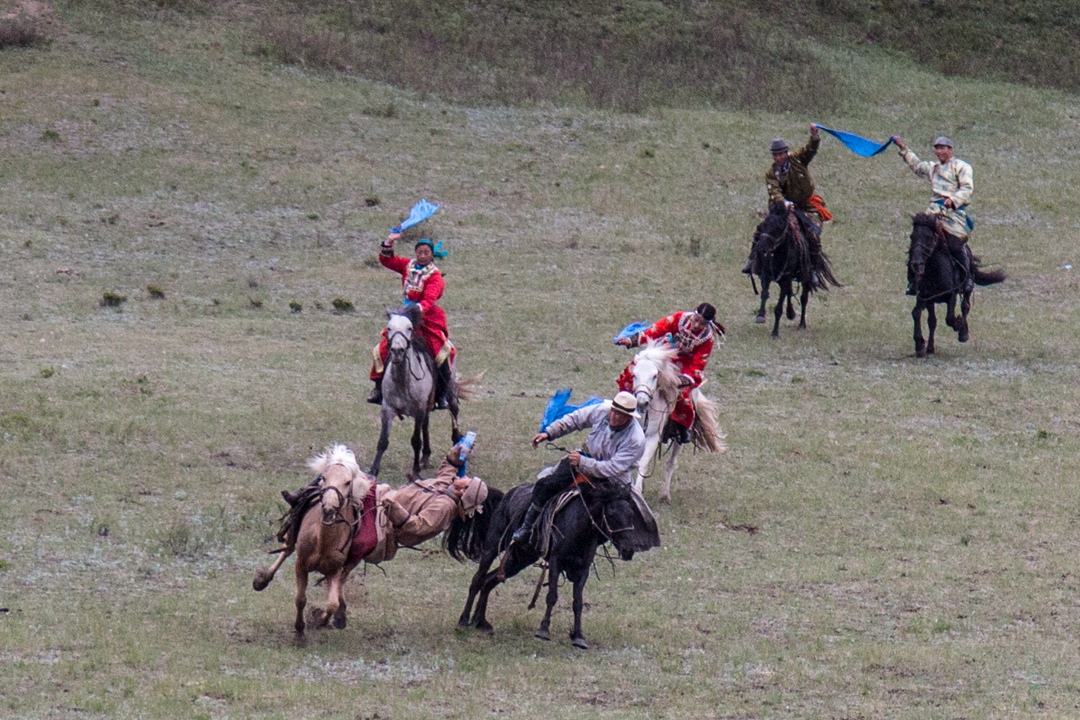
(781, 254)
(938, 278)
(600, 513)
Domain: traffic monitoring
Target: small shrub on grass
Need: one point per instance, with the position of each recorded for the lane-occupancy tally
(20, 32)
(295, 306)
(48, 372)
(111, 299)
(342, 306)
(156, 293)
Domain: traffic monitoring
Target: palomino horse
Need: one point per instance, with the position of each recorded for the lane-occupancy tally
(408, 388)
(781, 254)
(601, 513)
(324, 539)
(657, 386)
(938, 279)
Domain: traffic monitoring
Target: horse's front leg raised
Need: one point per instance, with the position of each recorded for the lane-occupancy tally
(263, 576)
(669, 472)
(384, 439)
(552, 598)
(920, 341)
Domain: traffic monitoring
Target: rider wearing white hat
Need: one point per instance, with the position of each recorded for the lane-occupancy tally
(612, 450)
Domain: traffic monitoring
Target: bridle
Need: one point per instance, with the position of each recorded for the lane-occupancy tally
(409, 362)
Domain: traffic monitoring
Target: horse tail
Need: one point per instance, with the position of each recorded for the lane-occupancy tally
(985, 277)
(466, 387)
(706, 432)
(825, 273)
(465, 538)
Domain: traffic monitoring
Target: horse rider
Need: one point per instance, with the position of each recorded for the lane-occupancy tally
(419, 510)
(691, 334)
(951, 188)
(788, 182)
(613, 448)
(422, 284)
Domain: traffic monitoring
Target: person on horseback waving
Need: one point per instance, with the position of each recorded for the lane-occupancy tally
(612, 451)
(951, 187)
(691, 334)
(788, 182)
(422, 284)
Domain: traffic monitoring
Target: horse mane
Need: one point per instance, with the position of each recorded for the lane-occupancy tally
(661, 354)
(464, 539)
(924, 220)
(339, 454)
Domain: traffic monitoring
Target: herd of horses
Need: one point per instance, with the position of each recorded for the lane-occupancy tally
(589, 516)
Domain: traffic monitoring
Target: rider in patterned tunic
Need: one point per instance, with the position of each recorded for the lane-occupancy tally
(422, 284)
(691, 334)
(951, 187)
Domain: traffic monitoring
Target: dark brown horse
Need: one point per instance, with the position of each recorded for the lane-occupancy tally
(781, 254)
(937, 278)
(601, 513)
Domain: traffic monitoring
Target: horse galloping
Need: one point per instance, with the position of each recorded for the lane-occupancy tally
(937, 278)
(408, 388)
(324, 538)
(781, 254)
(657, 386)
(599, 513)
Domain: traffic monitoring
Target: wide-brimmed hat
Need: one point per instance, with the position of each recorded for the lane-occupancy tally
(778, 145)
(626, 403)
(943, 141)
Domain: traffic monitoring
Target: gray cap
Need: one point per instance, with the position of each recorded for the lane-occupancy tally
(943, 141)
(778, 145)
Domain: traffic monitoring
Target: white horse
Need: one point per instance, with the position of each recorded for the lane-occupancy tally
(408, 389)
(657, 379)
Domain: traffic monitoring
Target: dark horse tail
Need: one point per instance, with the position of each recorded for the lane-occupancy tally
(985, 277)
(464, 539)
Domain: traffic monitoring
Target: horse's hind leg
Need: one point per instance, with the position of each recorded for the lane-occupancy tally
(474, 587)
(263, 576)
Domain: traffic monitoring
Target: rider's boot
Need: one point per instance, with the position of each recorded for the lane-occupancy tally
(442, 385)
(375, 398)
(682, 434)
(526, 524)
(293, 496)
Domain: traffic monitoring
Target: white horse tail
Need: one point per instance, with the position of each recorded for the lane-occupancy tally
(706, 432)
(466, 387)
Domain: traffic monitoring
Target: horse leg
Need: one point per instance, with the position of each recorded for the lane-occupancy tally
(669, 471)
(961, 325)
(301, 597)
(920, 341)
(931, 326)
(340, 619)
(474, 587)
(804, 300)
(511, 566)
(785, 294)
(577, 637)
(652, 440)
(760, 319)
(425, 458)
(333, 599)
(552, 598)
(263, 576)
(384, 439)
(416, 446)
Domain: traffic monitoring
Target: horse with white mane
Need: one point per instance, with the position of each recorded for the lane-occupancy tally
(325, 538)
(657, 382)
(408, 388)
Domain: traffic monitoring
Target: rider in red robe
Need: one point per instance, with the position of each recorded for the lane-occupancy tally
(691, 334)
(422, 284)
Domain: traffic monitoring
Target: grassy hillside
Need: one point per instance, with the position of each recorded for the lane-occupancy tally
(914, 541)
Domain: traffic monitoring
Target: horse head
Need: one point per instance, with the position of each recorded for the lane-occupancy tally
(654, 371)
(340, 480)
(925, 238)
(611, 506)
(399, 329)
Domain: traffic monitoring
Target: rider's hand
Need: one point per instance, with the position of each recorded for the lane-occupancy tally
(539, 438)
(625, 342)
(949, 203)
(898, 142)
(392, 237)
(686, 381)
(814, 131)
(788, 204)
(575, 458)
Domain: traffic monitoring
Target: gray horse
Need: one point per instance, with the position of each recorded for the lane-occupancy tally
(408, 388)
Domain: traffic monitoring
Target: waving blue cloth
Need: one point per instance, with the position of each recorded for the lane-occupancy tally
(856, 144)
(631, 330)
(420, 212)
(557, 407)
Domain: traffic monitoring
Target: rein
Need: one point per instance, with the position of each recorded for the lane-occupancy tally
(410, 358)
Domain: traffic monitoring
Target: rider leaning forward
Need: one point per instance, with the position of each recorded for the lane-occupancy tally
(612, 450)
(951, 187)
(788, 182)
(691, 334)
(422, 284)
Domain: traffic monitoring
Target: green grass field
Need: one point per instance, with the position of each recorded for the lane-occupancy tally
(887, 537)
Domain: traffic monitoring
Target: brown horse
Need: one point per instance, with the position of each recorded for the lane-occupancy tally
(324, 538)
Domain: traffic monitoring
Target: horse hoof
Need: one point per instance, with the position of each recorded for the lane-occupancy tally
(666, 499)
(963, 337)
(262, 579)
(485, 627)
(579, 642)
(760, 319)
(340, 622)
(543, 635)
